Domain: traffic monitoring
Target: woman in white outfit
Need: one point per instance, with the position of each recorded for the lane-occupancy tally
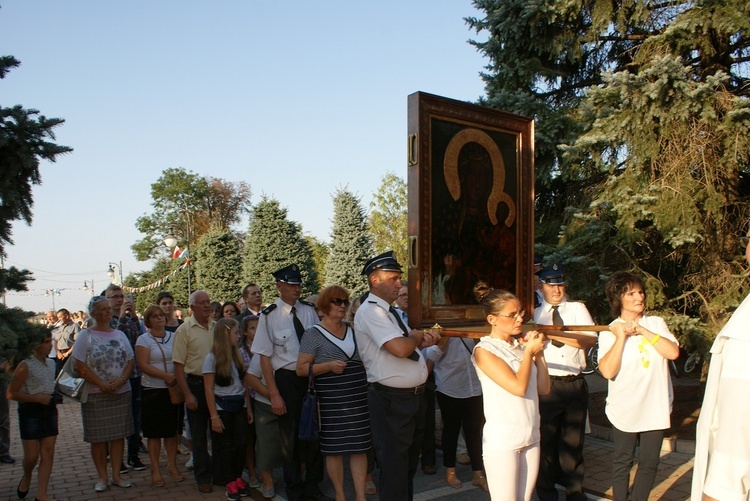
(512, 373)
(633, 356)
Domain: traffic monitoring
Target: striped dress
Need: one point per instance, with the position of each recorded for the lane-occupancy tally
(344, 415)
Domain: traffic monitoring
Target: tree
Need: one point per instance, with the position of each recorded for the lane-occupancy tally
(24, 143)
(350, 244)
(320, 252)
(190, 204)
(272, 242)
(643, 135)
(218, 261)
(389, 217)
(166, 275)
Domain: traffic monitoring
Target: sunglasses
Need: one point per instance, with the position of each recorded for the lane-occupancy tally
(338, 301)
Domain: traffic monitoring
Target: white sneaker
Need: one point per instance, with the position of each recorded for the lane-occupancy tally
(189, 464)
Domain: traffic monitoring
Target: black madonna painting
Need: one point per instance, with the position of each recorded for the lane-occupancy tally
(470, 207)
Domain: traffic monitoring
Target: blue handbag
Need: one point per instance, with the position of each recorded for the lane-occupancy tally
(309, 423)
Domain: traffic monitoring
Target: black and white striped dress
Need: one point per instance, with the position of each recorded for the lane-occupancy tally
(344, 415)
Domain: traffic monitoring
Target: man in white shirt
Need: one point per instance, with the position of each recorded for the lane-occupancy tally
(563, 410)
(397, 372)
(277, 342)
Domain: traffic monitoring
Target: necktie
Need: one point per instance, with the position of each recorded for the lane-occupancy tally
(298, 327)
(414, 355)
(556, 320)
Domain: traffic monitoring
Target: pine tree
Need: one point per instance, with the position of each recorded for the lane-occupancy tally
(272, 242)
(350, 244)
(642, 141)
(218, 262)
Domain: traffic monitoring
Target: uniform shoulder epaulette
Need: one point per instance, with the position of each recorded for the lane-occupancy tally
(269, 308)
(372, 302)
(308, 303)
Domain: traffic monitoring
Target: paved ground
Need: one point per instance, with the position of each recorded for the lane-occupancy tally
(73, 475)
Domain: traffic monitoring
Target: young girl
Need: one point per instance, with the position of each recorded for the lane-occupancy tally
(512, 376)
(223, 374)
(249, 325)
(32, 387)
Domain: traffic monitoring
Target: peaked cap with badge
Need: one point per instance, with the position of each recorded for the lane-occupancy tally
(288, 275)
(553, 275)
(385, 262)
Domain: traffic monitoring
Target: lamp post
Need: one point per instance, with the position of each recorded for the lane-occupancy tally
(111, 272)
(90, 288)
(53, 293)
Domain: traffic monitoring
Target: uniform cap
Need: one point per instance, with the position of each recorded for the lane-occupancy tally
(385, 261)
(288, 274)
(552, 275)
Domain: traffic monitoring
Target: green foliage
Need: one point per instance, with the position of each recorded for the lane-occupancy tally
(24, 144)
(218, 265)
(320, 252)
(350, 244)
(190, 205)
(389, 219)
(643, 132)
(272, 242)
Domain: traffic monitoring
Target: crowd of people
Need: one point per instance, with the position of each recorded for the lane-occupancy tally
(232, 381)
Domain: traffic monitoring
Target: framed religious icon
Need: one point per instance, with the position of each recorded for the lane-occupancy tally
(471, 212)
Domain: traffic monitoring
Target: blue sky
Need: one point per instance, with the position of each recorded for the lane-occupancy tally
(296, 98)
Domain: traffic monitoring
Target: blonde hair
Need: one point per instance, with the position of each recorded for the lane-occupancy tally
(225, 351)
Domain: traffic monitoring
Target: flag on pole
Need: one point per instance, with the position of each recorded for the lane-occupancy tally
(176, 252)
(184, 253)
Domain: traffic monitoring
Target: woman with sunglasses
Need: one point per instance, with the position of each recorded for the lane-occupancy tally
(513, 373)
(341, 384)
(633, 356)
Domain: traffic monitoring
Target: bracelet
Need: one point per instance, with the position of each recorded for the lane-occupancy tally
(655, 339)
(215, 417)
(124, 379)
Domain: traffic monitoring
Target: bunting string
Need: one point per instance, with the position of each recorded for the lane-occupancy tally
(156, 284)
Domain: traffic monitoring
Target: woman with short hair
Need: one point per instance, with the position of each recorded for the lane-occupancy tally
(634, 356)
(103, 357)
(161, 419)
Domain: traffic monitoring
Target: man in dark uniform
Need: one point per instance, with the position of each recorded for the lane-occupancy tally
(396, 373)
(277, 342)
(563, 410)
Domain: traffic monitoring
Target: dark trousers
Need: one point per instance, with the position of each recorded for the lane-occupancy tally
(228, 448)
(397, 422)
(296, 452)
(562, 429)
(649, 447)
(136, 395)
(457, 413)
(428, 439)
(59, 363)
(4, 418)
(199, 425)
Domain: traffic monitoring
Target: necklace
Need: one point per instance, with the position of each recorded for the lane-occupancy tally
(162, 339)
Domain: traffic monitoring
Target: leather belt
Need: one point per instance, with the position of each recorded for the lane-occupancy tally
(572, 377)
(399, 391)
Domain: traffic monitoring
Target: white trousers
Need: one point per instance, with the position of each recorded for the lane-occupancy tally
(511, 475)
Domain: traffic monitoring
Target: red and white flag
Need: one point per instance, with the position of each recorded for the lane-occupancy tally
(176, 252)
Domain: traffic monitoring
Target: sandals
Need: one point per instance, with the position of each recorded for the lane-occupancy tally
(451, 479)
(480, 481)
(370, 488)
(157, 481)
(176, 476)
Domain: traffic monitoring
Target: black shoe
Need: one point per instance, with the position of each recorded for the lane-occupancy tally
(21, 494)
(7, 459)
(123, 469)
(136, 464)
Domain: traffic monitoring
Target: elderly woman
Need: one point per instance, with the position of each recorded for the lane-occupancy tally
(33, 388)
(161, 418)
(634, 357)
(103, 357)
(341, 383)
(513, 373)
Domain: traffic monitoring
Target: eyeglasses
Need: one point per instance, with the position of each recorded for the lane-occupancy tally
(744, 240)
(338, 301)
(116, 296)
(515, 316)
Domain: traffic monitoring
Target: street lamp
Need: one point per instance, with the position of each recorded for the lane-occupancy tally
(86, 286)
(111, 272)
(53, 293)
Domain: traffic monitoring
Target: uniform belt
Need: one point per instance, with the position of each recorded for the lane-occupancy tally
(400, 391)
(193, 377)
(572, 377)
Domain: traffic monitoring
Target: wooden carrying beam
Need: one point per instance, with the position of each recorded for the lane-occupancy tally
(571, 331)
